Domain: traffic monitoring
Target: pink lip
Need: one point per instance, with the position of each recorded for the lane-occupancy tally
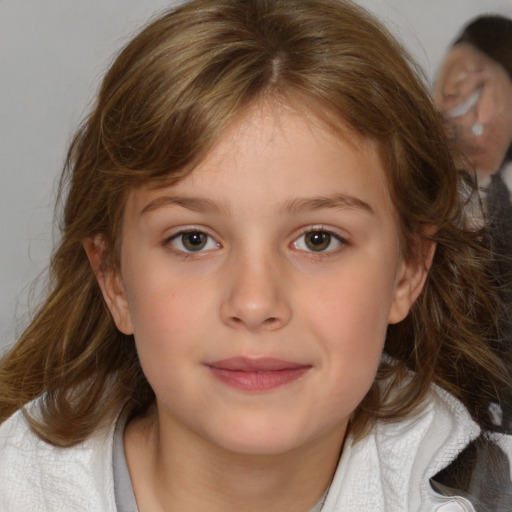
(257, 374)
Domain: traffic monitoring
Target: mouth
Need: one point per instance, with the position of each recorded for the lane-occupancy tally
(464, 107)
(261, 374)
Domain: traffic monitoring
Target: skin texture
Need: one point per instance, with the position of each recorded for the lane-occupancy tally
(464, 72)
(257, 290)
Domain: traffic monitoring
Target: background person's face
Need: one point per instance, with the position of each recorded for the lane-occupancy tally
(474, 93)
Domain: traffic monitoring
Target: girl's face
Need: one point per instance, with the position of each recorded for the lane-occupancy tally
(259, 288)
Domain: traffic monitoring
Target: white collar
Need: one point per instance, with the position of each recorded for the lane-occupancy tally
(390, 469)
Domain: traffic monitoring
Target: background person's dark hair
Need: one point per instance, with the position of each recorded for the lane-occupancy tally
(492, 35)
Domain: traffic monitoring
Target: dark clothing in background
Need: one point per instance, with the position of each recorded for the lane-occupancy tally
(499, 231)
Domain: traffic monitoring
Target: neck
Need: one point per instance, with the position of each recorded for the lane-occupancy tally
(179, 470)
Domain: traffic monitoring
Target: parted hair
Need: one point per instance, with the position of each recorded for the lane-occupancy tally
(163, 104)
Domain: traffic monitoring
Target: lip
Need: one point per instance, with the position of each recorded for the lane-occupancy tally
(461, 109)
(260, 374)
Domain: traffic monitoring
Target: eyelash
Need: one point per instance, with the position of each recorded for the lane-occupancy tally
(206, 242)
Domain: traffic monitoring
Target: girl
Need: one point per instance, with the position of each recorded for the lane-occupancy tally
(264, 297)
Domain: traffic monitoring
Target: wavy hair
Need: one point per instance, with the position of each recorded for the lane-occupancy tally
(162, 106)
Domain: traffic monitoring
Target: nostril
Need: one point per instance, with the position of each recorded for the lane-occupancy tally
(237, 321)
(270, 323)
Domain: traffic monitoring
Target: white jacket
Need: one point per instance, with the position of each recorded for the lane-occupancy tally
(387, 471)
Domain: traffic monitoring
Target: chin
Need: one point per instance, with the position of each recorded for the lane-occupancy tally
(260, 438)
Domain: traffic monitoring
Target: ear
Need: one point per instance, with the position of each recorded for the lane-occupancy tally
(411, 277)
(110, 283)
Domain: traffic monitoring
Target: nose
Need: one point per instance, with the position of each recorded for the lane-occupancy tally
(256, 295)
(452, 85)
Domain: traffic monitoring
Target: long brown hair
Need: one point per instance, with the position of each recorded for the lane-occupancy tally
(161, 107)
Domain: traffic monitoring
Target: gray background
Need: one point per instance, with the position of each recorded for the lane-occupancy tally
(52, 56)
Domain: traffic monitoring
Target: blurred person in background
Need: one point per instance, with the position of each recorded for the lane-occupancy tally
(473, 90)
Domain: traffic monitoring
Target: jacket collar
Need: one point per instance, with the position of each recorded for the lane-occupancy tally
(391, 468)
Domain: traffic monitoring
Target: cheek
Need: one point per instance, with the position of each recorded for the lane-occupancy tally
(488, 151)
(167, 316)
(168, 329)
(353, 333)
(351, 317)
(505, 128)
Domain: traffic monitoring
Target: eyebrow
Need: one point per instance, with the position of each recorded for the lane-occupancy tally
(197, 204)
(292, 206)
(342, 201)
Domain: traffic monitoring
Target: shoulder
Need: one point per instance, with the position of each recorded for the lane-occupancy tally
(391, 468)
(37, 476)
(424, 444)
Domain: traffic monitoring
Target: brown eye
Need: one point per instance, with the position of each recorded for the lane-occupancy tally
(317, 240)
(192, 241)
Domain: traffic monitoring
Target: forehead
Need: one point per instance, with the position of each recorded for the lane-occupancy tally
(273, 154)
(466, 56)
